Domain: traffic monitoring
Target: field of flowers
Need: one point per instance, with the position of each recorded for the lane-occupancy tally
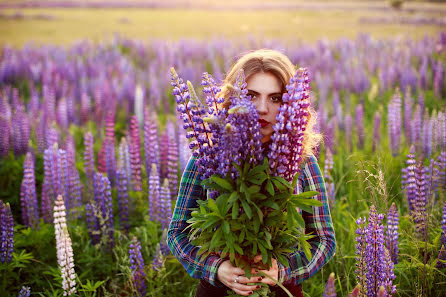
(92, 150)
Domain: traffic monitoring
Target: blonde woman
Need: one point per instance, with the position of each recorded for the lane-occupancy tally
(267, 73)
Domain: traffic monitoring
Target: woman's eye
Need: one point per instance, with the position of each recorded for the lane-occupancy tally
(276, 99)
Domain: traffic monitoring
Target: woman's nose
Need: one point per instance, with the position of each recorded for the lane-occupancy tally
(262, 106)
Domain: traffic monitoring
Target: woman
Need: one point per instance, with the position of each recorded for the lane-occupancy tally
(267, 73)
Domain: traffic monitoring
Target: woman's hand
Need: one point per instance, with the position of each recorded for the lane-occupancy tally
(233, 278)
(272, 272)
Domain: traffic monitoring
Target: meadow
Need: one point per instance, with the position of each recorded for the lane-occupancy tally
(85, 113)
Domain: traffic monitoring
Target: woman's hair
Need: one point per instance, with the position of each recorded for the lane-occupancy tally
(276, 63)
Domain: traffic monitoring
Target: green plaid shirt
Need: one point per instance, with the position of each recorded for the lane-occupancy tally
(319, 223)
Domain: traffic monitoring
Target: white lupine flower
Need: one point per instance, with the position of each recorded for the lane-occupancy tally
(64, 249)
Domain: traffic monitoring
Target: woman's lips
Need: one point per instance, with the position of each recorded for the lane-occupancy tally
(263, 123)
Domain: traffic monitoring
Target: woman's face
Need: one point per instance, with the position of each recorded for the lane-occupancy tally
(265, 90)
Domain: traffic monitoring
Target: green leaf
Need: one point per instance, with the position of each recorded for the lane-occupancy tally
(222, 203)
(238, 249)
(212, 206)
(270, 187)
(235, 210)
(242, 235)
(247, 209)
(253, 189)
(295, 179)
(222, 182)
(238, 168)
(256, 170)
(264, 253)
(210, 223)
(298, 217)
(307, 194)
(234, 196)
(245, 168)
(271, 204)
(226, 228)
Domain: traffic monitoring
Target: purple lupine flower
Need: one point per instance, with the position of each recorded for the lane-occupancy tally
(62, 113)
(51, 137)
(28, 196)
(438, 79)
(46, 203)
(184, 153)
(240, 138)
(329, 184)
(6, 233)
(85, 107)
(172, 167)
(359, 122)
(123, 203)
(378, 273)
(392, 233)
(137, 266)
(420, 201)
(427, 135)
(348, 130)
(102, 167)
(103, 203)
(211, 90)
(164, 153)
(408, 180)
(417, 121)
(25, 291)
(5, 112)
(355, 292)
(408, 102)
(89, 161)
(376, 130)
(440, 172)
(165, 204)
(74, 188)
(198, 132)
(287, 139)
(394, 123)
(64, 248)
(135, 155)
(151, 142)
(360, 252)
(330, 290)
(20, 131)
(441, 262)
(109, 143)
(124, 161)
(93, 225)
(337, 109)
(154, 193)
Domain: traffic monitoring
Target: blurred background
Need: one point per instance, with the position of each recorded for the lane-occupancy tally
(64, 22)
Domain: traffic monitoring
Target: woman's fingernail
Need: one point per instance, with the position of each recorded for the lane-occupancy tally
(250, 292)
(257, 287)
(260, 278)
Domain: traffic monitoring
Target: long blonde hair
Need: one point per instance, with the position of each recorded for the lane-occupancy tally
(276, 63)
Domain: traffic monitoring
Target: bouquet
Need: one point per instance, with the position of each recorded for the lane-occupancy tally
(252, 205)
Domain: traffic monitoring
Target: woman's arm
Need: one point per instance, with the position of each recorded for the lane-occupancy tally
(177, 239)
(319, 223)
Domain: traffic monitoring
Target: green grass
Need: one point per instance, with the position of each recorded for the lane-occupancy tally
(71, 25)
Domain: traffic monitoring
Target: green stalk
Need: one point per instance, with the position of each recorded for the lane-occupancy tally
(276, 282)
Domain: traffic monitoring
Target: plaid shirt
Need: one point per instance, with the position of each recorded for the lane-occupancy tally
(319, 223)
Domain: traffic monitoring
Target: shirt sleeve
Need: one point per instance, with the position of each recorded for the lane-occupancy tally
(177, 238)
(318, 223)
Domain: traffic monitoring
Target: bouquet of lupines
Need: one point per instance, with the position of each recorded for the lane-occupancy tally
(254, 205)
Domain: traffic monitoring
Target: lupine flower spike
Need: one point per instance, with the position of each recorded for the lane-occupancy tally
(28, 196)
(392, 233)
(25, 291)
(137, 267)
(330, 290)
(394, 123)
(6, 233)
(287, 140)
(64, 249)
(441, 262)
